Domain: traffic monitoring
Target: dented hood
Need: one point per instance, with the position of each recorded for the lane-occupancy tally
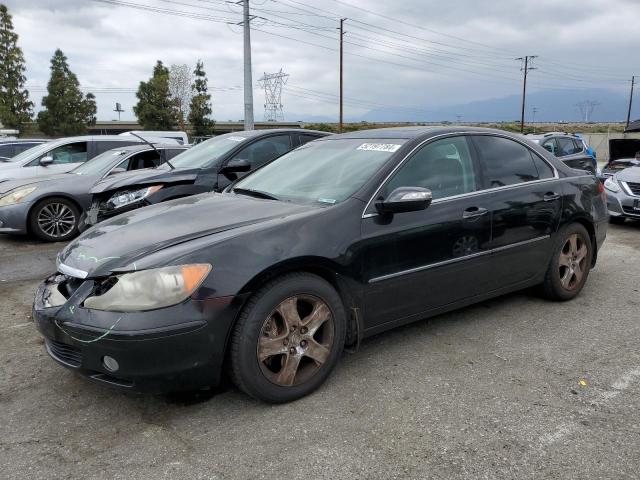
(145, 177)
(119, 242)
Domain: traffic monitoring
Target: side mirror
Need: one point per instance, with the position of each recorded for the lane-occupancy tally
(117, 170)
(237, 165)
(46, 160)
(406, 199)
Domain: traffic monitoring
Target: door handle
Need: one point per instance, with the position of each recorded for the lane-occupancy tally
(550, 196)
(473, 212)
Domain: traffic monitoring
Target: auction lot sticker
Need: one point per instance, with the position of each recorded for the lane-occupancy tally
(379, 147)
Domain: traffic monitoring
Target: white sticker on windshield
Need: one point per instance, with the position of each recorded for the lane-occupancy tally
(379, 147)
(236, 139)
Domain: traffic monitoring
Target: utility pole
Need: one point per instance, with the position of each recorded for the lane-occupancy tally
(533, 119)
(633, 79)
(341, 71)
(527, 66)
(248, 83)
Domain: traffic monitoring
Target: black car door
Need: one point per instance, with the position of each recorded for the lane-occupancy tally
(257, 153)
(525, 204)
(417, 261)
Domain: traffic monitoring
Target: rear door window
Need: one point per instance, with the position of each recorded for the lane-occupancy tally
(504, 161)
(305, 138)
(567, 146)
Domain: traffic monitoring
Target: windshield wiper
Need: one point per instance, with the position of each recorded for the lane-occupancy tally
(255, 193)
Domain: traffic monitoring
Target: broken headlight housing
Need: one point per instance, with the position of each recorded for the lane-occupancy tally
(150, 289)
(122, 199)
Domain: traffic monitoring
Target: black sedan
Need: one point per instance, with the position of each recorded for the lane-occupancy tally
(51, 206)
(340, 239)
(209, 166)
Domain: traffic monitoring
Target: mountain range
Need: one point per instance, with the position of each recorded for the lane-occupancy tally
(551, 106)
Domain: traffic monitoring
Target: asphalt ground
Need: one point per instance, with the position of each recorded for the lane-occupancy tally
(515, 387)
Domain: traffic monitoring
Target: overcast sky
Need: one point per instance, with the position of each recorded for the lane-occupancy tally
(418, 54)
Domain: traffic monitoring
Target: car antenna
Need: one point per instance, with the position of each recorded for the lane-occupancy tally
(152, 146)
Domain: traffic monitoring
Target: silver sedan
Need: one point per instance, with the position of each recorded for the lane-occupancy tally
(623, 194)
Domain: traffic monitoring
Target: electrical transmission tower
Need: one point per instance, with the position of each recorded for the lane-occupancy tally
(272, 84)
(586, 109)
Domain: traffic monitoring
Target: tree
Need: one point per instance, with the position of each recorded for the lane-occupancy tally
(67, 111)
(200, 108)
(15, 106)
(156, 110)
(180, 79)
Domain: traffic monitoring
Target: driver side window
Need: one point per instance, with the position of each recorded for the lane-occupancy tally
(265, 150)
(445, 167)
(71, 153)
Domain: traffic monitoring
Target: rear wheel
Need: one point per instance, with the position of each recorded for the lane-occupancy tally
(54, 219)
(569, 267)
(288, 338)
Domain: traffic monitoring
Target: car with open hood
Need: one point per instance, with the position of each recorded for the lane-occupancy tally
(50, 207)
(209, 166)
(340, 239)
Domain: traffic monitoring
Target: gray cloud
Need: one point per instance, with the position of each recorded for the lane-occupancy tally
(581, 44)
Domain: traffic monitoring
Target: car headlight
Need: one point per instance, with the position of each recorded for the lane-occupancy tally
(16, 196)
(122, 199)
(150, 289)
(611, 185)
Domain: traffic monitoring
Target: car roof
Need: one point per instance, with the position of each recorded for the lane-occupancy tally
(415, 132)
(22, 140)
(265, 131)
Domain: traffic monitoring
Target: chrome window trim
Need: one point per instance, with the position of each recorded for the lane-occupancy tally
(459, 134)
(456, 260)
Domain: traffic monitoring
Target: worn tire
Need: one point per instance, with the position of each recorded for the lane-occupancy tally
(248, 372)
(51, 205)
(552, 287)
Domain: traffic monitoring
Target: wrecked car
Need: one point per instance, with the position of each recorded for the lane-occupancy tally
(340, 239)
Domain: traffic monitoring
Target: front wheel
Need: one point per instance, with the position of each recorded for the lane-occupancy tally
(54, 219)
(288, 338)
(570, 264)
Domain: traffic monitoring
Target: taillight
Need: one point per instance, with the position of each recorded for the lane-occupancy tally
(600, 187)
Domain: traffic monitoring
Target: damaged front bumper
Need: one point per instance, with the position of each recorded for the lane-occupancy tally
(158, 351)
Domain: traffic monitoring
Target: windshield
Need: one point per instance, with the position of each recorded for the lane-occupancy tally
(206, 153)
(324, 171)
(31, 153)
(98, 165)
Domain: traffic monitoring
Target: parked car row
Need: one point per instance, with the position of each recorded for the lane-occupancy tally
(113, 174)
(341, 238)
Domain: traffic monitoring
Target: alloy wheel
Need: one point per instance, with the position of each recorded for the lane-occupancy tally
(572, 261)
(56, 220)
(295, 340)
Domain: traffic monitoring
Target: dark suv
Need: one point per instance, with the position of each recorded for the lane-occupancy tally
(569, 148)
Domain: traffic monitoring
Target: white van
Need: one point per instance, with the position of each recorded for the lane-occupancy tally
(180, 137)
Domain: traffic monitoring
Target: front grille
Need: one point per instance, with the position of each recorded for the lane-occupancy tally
(634, 187)
(67, 354)
(631, 210)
